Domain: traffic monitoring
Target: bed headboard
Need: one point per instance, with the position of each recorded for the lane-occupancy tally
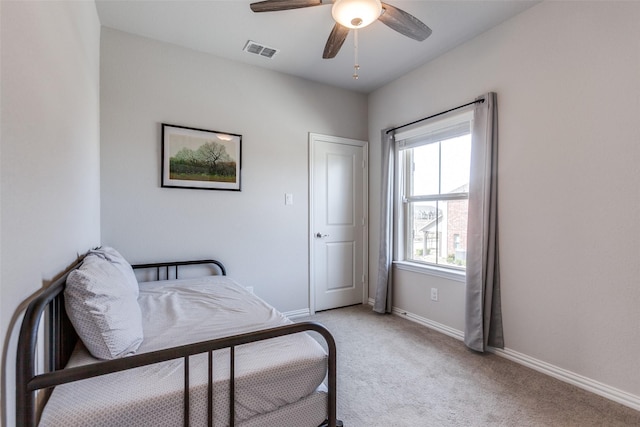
(61, 337)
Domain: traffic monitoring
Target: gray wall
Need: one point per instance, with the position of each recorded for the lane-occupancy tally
(263, 242)
(567, 78)
(50, 200)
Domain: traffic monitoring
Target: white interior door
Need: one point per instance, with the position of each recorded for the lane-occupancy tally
(338, 189)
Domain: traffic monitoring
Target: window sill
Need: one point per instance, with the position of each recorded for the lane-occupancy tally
(458, 276)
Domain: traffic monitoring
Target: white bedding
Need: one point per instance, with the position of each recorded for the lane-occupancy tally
(271, 375)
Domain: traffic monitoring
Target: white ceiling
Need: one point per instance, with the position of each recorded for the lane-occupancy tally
(222, 28)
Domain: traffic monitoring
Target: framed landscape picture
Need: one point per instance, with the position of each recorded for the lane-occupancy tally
(201, 159)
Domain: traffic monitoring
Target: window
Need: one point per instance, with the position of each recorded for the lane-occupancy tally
(434, 192)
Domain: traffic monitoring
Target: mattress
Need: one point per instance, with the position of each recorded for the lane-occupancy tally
(281, 377)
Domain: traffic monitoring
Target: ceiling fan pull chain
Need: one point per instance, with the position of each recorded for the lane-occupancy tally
(356, 66)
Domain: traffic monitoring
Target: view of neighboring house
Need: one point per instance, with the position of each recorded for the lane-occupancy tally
(432, 221)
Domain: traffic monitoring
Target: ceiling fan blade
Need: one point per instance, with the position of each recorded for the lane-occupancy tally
(336, 39)
(404, 23)
(276, 5)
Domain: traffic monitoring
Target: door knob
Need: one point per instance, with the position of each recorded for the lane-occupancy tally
(320, 236)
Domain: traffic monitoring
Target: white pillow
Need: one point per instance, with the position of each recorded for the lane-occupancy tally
(102, 304)
(114, 257)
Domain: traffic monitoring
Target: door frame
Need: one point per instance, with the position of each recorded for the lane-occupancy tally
(313, 138)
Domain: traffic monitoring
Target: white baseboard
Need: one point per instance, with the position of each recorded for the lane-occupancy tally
(429, 323)
(588, 384)
(297, 313)
(425, 322)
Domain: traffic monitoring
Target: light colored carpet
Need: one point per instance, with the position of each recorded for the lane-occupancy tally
(394, 372)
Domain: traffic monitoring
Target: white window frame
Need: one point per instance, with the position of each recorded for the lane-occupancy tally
(435, 130)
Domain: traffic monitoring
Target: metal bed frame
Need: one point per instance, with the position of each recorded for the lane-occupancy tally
(62, 338)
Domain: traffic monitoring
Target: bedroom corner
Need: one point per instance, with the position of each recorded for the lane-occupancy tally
(50, 154)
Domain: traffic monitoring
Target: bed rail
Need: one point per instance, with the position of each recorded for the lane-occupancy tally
(159, 266)
(62, 339)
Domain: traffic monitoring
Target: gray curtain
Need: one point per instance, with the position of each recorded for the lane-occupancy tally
(384, 286)
(483, 313)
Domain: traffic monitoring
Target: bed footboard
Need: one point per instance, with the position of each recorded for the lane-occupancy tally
(62, 339)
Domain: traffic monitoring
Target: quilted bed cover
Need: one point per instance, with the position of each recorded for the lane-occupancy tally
(276, 379)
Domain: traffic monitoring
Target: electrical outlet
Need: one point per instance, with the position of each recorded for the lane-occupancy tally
(434, 294)
(288, 199)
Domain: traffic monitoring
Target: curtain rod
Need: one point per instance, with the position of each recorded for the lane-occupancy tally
(477, 101)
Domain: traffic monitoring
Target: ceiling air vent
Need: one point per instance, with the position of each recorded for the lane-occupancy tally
(260, 49)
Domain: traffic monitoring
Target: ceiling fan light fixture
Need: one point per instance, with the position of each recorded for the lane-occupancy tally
(356, 13)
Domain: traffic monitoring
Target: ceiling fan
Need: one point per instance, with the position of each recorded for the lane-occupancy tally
(353, 14)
